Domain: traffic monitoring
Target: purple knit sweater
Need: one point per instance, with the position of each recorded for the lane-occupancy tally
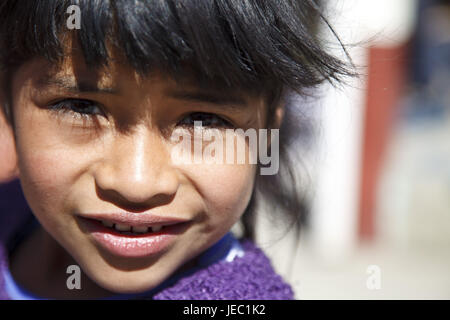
(248, 277)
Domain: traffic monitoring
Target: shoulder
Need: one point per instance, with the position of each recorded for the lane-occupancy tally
(3, 269)
(14, 210)
(249, 277)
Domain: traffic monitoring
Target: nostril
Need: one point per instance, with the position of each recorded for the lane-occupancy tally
(134, 201)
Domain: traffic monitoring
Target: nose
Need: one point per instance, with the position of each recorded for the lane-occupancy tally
(136, 171)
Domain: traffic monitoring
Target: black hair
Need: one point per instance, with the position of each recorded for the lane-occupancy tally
(266, 47)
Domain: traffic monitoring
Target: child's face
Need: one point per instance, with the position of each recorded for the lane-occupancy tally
(76, 166)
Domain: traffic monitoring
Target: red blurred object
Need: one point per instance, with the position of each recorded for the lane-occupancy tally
(385, 85)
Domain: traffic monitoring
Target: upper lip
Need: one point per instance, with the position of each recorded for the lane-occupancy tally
(135, 219)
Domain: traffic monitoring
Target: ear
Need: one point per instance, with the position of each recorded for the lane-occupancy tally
(276, 121)
(8, 165)
(278, 116)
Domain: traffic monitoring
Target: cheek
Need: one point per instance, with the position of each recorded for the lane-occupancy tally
(226, 190)
(47, 167)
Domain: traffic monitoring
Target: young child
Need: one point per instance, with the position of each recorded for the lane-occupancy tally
(94, 95)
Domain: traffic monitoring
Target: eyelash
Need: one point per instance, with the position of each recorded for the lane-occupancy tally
(68, 107)
(217, 121)
(71, 107)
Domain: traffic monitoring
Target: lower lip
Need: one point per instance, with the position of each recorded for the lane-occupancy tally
(133, 246)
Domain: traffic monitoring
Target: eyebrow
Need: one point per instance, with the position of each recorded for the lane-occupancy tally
(213, 97)
(232, 101)
(72, 85)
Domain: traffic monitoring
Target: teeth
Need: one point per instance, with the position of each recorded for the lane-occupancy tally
(122, 227)
(140, 229)
(108, 224)
(156, 228)
(127, 228)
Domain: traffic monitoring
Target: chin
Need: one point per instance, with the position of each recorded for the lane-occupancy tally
(122, 282)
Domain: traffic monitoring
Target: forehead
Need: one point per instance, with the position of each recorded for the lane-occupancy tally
(72, 74)
(119, 81)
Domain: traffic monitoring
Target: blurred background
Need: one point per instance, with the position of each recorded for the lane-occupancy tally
(379, 171)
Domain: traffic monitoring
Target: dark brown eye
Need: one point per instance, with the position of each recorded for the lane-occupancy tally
(84, 107)
(206, 119)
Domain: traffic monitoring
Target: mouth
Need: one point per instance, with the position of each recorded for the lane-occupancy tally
(131, 235)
